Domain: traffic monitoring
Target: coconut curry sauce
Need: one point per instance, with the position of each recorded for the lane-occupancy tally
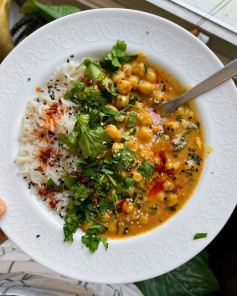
(170, 150)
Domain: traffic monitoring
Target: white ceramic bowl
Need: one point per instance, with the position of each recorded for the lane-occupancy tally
(92, 33)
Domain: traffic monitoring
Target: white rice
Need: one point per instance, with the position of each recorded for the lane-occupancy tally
(32, 141)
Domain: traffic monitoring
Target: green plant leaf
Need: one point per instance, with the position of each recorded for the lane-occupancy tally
(50, 12)
(194, 278)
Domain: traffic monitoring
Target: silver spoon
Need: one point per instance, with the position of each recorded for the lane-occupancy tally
(220, 76)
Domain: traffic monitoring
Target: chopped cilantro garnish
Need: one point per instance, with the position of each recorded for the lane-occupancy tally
(91, 238)
(146, 169)
(200, 235)
(132, 120)
(116, 58)
(51, 184)
(91, 141)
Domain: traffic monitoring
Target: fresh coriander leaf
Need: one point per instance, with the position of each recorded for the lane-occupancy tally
(123, 158)
(110, 111)
(116, 58)
(107, 172)
(127, 137)
(122, 111)
(146, 169)
(138, 186)
(80, 191)
(91, 141)
(93, 70)
(192, 278)
(70, 142)
(51, 184)
(129, 183)
(50, 12)
(132, 120)
(200, 235)
(69, 229)
(81, 160)
(91, 239)
(112, 180)
(179, 118)
(70, 180)
(109, 86)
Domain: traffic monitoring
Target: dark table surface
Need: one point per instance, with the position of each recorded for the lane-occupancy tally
(223, 258)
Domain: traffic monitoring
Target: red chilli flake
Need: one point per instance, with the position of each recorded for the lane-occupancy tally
(40, 168)
(45, 155)
(156, 189)
(89, 82)
(38, 89)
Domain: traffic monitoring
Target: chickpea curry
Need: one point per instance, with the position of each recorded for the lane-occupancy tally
(135, 168)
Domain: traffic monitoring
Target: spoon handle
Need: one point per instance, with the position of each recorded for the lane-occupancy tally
(222, 75)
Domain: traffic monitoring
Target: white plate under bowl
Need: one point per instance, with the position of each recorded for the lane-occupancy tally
(92, 33)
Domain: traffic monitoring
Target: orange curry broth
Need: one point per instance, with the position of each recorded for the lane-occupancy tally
(177, 172)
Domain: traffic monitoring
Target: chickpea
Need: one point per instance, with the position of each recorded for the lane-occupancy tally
(105, 217)
(134, 215)
(145, 118)
(137, 176)
(96, 88)
(189, 114)
(168, 186)
(124, 86)
(122, 101)
(112, 107)
(139, 105)
(155, 128)
(141, 55)
(112, 131)
(158, 96)
(134, 80)
(86, 226)
(3, 207)
(127, 69)
(151, 76)
(117, 146)
(184, 124)
(127, 207)
(132, 144)
(161, 196)
(119, 137)
(157, 160)
(177, 165)
(132, 191)
(146, 88)
(145, 134)
(169, 165)
(112, 226)
(172, 126)
(119, 118)
(138, 69)
(143, 220)
(181, 110)
(172, 199)
(117, 77)
(125, 174)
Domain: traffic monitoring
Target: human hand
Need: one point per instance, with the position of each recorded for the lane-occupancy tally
(3, 208)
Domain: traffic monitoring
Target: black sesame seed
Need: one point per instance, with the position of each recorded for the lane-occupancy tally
(29, 79)
(125, 230)
(37, 235)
